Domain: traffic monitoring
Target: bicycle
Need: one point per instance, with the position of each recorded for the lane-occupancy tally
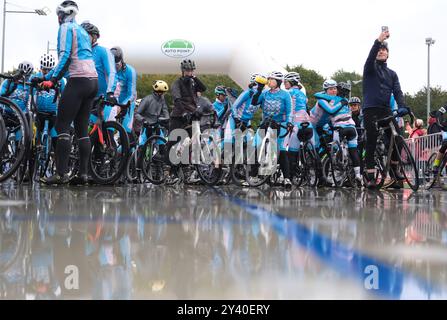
(431, 177)
(110, 146)
(267, 155)
(341, 167)
(137, 167)
(209, 159)
(397, 144)
(306, 169)
(16, 136)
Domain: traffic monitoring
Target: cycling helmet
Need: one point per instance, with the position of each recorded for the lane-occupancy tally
(277, 75)
(293, 77)
(26, 67)
(160, 86)
(220, 90)
(329, 84)
(118, 54)
(67, 9)
(47, 61)
(254, 76)
(355, 100)
(91, 29)
(344, 86)
(188, 65)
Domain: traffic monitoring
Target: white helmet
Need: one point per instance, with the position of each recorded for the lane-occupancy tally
(67, 9)
(293, 77)
(277, 75)
(47, 61)
(254, 76)
(329, 84)
(26, 67)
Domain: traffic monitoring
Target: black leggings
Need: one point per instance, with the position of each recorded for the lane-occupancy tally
(370, 116)
(74, 106)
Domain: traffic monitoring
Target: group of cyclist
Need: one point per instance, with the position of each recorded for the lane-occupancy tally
(86, 71)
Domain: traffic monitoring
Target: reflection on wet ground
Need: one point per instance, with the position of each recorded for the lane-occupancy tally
(144, 242)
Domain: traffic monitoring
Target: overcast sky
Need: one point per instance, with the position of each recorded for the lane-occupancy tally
(323, 35)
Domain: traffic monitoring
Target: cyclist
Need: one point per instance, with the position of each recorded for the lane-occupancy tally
(104, 64)
(292, 83)
(221, 103)
(379, 83)
(76, 57)
(327, 104)
(153, 107)
(185, 93)
(277, 105)
(19, 93)
(443, 149)
(355, 105)
(241, 113)
(45, 100)
(126, 88)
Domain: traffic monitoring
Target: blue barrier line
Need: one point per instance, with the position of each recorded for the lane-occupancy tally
(393, 281)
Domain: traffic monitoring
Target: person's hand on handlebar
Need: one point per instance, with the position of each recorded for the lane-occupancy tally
(290, 127)
(110, 97)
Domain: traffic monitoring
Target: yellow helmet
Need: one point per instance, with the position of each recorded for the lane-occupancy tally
(161, 86)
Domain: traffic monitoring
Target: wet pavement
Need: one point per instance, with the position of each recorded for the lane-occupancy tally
(145, 242)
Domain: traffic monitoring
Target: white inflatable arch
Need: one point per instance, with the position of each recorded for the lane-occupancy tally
(237, 60)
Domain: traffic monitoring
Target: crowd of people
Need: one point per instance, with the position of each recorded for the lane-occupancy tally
(86, 70)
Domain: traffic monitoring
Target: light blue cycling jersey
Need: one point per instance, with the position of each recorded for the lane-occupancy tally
(242, 108)
(299, 106)
(220, 108)
(75, 53)
(126, 90)
(20, 94)
(277, 105)
(45, 99)
(105, 67)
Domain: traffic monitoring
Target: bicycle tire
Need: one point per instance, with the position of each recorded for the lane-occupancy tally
(112, 155)
(153, 171)
(17, 119)
(409, 163)
(310, 162)
(429, 181)
(2, 132)
(213, 178)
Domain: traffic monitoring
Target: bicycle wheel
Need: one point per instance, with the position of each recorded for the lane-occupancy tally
(108, 161)
(154, 171)
(133, 173)
(257, 174)
(407, 164)
(2, 132)
(339, 169)
(17, 141)
(237, 172)
(429, 178)
(210, 168)
(328, 171)
(310, 162)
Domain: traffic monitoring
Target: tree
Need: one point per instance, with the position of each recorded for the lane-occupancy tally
(418, 101)
(344, 76)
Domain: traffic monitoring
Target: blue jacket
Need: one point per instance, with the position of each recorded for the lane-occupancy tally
(299, 106)
(220, 108)
(105, 67)
(126, 88)
(75, 53)
(276, 104)
(20, 95)
(45, 99)
(242, 108)
(380, 82)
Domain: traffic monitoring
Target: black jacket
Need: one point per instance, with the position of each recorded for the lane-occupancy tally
(184, 92)
(379, 82)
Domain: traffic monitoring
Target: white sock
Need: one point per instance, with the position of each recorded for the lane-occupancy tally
(357, 172)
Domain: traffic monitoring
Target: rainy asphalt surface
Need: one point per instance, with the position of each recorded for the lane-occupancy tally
(145, 242)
